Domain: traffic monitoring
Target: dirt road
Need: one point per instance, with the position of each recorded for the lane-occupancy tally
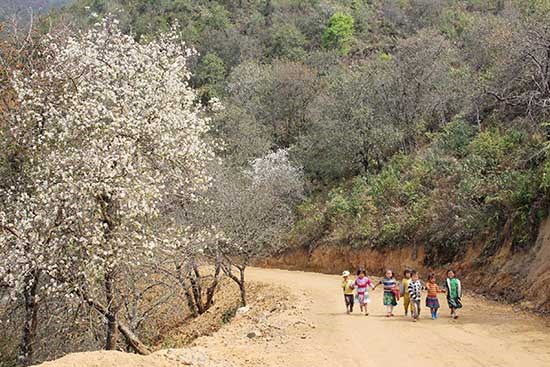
(309, 327)
(487, 334)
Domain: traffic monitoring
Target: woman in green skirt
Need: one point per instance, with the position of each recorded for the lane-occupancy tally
(454, 293)
(390, 284)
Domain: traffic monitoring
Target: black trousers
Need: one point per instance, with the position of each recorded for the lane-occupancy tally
(349, 301)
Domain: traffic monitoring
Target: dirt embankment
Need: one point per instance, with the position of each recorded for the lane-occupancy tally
(184, 345)
(520, 277)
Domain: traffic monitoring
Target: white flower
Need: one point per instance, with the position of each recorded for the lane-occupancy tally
(118, 137)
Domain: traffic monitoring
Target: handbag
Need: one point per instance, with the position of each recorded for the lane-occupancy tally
(396, 292)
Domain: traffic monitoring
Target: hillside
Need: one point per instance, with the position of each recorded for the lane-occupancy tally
(8, 7)
(21, 10)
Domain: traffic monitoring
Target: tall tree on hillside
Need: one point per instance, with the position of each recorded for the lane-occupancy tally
(277, 95)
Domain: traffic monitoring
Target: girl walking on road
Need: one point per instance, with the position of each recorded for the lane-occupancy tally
(362, 282)
(454, 293)
(390, 285)
(431, 300)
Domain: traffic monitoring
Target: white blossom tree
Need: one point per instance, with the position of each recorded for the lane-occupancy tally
(113, 134)
(253, 211)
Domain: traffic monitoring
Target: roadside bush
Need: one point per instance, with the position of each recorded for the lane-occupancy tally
(310, 225)
(462, 184)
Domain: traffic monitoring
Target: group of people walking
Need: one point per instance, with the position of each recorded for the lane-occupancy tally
(410, 290)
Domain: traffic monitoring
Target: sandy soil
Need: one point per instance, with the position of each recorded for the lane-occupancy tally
(307, 326)
(486, 334)
(165, 358)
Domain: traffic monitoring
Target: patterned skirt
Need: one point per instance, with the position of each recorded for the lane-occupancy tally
(454, 303)
(432, 302)
(389, 299)
(362, 299)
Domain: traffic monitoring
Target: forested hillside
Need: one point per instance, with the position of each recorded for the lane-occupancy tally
(22, 8)
(129, 160)
(415, 121)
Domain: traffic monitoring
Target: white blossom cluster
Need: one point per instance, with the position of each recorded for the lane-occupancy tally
(111, 129)
(275, 172)
(256, 208)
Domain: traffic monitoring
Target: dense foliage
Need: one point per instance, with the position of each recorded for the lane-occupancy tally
(414, 120)
(464, 185)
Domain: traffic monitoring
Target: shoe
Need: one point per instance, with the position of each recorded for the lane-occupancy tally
(415, 320)
(347, 312)
(366, 313)
(406, 314)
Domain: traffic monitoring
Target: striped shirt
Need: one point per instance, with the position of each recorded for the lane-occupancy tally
(389, 284)
(415, 290)
(433, 289)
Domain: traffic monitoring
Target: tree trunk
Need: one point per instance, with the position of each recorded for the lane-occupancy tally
(133, 340)
(212, 289)
(108, 209)
(190, 303)
(111, 316)
(112, 332)
(31, 320)
(195, 279)
(242, 286)
(182, 280)
(227, 269)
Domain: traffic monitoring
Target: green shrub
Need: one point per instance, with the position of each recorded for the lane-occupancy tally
(455, 138)
(287, 42)
(455, 22)
(493, 147)
(338, 205)
(545, 179)
(358, 197)
(386, 186)
(210, 74)
(390, 233)
(310, 224)
(339, 33)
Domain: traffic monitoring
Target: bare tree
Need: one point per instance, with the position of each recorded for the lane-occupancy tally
(522, 79)
(254, 209)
